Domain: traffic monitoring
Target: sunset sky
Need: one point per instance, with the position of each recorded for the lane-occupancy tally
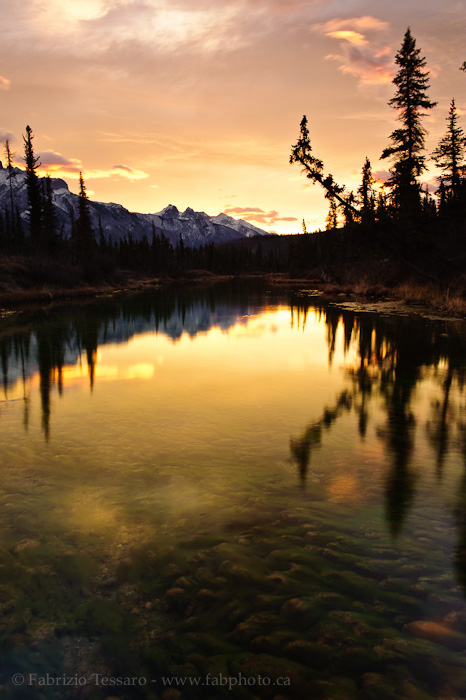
(197, 102)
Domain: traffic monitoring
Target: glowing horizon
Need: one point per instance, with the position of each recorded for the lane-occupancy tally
(197, 103)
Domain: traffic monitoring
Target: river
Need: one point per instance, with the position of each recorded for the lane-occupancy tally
(232, 492)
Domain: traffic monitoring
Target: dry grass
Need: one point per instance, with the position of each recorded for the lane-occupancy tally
(27, 281)
(447, 301)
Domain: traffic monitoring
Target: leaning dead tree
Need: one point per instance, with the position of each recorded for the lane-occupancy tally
(313, 168)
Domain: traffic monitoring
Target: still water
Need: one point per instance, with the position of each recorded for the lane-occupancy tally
(231, 493)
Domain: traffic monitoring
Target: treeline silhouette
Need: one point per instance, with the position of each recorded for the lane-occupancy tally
(95, 255)
(92, 254)
(389, 231)
(425, 234)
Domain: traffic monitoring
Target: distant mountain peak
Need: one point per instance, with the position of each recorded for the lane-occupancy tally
(195, 228)
(170, 211)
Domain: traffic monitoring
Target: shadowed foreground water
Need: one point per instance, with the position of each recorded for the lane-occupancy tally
(231, 493)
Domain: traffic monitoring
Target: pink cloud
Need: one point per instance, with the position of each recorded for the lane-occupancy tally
(50, 159)
(360, 24)
(350, 35)
(259, 216)
(242, 210)
(61, 166)
(361, 52)
(381, 176)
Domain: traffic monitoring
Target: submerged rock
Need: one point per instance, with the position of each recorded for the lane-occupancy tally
(439, 633)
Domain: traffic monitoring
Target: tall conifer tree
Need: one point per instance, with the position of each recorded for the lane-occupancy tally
(34, 193)
(366, 193)
(331, 221)
(11, 233)
(449, 155)
(84, 234)
(49, 212)
(410, 101)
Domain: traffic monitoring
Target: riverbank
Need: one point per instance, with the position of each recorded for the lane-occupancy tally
(414, 296)
(25, 282)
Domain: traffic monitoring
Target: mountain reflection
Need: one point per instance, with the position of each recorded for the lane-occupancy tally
(46, 342)
(392, 358)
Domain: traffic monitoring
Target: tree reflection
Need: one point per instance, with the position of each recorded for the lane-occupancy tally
(301, 447)
(48, 341)
(438, 428)
(392, 357)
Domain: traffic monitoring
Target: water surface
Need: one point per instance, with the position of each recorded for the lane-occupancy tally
(255, 485)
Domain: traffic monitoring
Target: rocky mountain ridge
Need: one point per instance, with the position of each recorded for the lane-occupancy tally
(195, 228)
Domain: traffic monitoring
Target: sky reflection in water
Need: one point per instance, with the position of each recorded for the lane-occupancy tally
(293, 440)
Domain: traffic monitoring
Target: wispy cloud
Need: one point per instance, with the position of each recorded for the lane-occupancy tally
(51, 159)
(363, 51)
(4, 83)
(156, 24)
(5, 135)
(243, 210)
(348, 35)
(126, 171)
(381, 176)
(257, 215)
(61, 166)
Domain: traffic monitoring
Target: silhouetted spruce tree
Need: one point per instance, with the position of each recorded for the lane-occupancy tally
(36, 230)
(428, 206)
(408, 141)
(73, 235)
(15, 233)
(10, 235)
(348, 210)
(381, 207)
(85, 241)
(180, 253)
(332, 217)
(449, 156)
(366, 193)
(50, 221)
(19, 232)
(102, 240)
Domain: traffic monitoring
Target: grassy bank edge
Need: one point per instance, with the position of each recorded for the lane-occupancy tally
(413, 294)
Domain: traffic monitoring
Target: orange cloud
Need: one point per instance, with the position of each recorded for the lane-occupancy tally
(52, 161)
(360, 24)
(258, 216)
(4, 83)
(59, 166)
(243, 210)
(349, 35)
(361, 54)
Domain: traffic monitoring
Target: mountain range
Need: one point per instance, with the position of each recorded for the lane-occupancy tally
(195, 228)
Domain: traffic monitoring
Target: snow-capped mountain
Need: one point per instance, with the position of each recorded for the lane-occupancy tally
(196, 228)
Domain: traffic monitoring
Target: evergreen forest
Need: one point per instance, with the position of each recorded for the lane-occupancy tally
(386, 232)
